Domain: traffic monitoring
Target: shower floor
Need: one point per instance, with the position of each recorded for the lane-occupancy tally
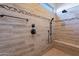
(55, 52)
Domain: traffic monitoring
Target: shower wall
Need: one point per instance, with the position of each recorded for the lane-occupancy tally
(67, 26)
(15, 35)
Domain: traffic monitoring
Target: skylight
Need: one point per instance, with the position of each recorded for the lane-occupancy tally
(47, 6)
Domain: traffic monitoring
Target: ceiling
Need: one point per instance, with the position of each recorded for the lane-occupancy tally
(72, 10)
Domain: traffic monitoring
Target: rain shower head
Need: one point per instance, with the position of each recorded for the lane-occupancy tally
(64, 11)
